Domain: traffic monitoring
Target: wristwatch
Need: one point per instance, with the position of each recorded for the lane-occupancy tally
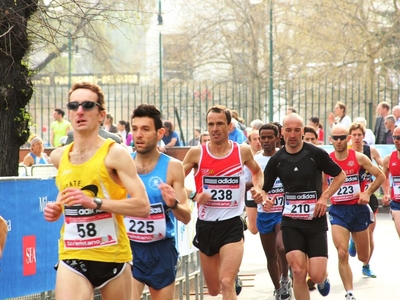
(98, 201)
(175, 204)
(192, 195)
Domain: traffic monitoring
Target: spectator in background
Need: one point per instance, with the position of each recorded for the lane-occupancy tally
(382, 110)
(291, 110)
(241, 126)
(314, 122)
(204, 137)
(129, 140)
(171, 137)
(3, 234)
(104, 134)
(339, 116)
(369, 137)
(123, 130)
(196, 138)
(236, 134)
(109, 124)
(281, 141)
(390, 125)
(256, 124)
(254, 141)
(310, 135)
(36, 156)
(59, 128)
(396, 113)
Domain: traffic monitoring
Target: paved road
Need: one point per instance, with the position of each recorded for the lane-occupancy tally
(385, 263)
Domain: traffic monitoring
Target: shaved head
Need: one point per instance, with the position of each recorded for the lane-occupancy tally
(293, 117)
(339, 129)
(396, 131)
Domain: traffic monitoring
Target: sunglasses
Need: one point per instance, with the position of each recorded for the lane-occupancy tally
(339, 137)
(396, 137)
(86, 105)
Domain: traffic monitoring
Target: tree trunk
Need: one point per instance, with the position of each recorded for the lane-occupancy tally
(15, 85)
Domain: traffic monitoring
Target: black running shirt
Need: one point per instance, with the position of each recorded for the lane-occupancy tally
(301, 172)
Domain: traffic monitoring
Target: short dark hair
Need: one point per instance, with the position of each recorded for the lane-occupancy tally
(221, 109)
(315, 120)
(60, 112)
(310, 129)
(292, 109)
(169, 125)
(270, 126)
(385, 105)
(148, 110)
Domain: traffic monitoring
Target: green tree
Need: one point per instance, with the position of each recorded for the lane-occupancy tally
(29, 27)
(15, 85)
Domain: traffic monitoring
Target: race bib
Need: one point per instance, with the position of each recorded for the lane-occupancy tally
(277, 190)
(87, 228)
(146, 230)
(225, 191)
(349, 190)
(396, 188)
(300, 205)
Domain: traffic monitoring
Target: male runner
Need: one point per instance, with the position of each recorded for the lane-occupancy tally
(391, 166)
(268, 223)
(94, 178)
(153, 239)
(220, 188)
(357, 134)
(304, 225)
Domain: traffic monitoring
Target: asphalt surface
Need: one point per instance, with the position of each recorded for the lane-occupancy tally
(385, 263)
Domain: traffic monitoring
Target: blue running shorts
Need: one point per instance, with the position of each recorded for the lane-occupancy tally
(266, 222)
(352, 217)
(155, 263)
(394, 205)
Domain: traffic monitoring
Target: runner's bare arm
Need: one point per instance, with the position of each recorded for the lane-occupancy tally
(176, 191)
(138, 205)
(3, 234)
(257, 174)
(376, 156)
(254, 167)
(55, 156)
(386, 183)
(366, 163)
(333, 187)
(191, 160)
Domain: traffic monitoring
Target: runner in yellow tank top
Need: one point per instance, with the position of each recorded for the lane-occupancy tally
(95, 177)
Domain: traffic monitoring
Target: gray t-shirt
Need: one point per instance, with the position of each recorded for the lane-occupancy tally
(103, 133)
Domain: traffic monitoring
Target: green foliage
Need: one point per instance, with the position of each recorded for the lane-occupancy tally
(23, 120)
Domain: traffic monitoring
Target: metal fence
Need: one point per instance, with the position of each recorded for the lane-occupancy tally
(186, 102)
(189, 281)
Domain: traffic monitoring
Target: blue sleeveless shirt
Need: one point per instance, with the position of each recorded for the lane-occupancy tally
(151, 181)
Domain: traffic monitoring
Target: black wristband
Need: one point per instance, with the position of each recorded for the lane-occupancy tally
(192, 195)
(175, 204)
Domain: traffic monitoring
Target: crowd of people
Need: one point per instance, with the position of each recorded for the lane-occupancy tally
(120, 208)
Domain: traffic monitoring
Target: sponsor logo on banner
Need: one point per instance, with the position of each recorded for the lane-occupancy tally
(43, 202)
(29, 255)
